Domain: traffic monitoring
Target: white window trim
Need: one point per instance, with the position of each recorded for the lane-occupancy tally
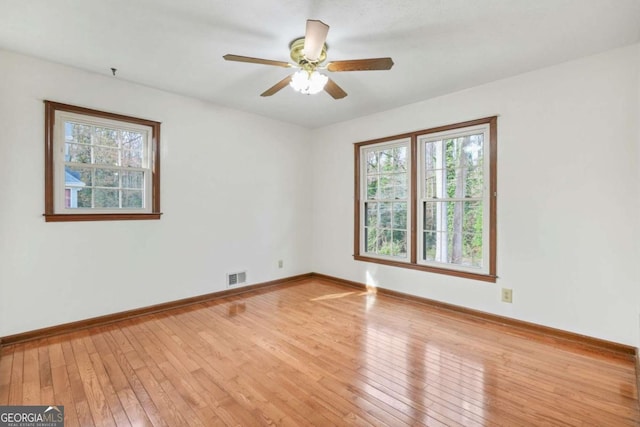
(486, 199)
(404, 142)
(59, 162)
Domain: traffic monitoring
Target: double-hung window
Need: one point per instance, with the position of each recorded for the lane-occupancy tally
(100, 166)
(385, 231)
(427, 200)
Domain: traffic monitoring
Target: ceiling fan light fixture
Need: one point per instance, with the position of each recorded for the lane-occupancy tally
(308, 83)
(308, 53)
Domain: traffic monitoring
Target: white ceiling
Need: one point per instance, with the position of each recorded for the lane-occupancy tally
(438, 46)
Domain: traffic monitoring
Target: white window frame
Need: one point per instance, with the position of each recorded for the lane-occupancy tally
(62, 117)
(486, 196)
(364, 150)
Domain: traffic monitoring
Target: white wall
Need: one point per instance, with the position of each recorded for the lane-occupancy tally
(234, 196)
(568, 220)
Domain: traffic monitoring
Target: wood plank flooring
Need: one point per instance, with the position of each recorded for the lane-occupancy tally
(317, 353)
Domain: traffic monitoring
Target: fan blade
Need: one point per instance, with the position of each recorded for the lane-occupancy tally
(276, 87)
(249, 59)
(361, 64)
(314, 39)
(334, 90)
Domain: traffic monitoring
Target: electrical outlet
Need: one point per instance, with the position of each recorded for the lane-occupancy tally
(507, 295)
(280, 264)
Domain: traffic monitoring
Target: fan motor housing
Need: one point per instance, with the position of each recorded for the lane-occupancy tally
(297, 56)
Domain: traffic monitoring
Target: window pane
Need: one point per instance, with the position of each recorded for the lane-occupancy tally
(385, 242)
(132, 199)
(454, 167)
(105, 198)
(132, 141)
(84, 198)
(372, 162)
(429, 246)
(452, 232)
(455, 183)
(77, 153)
(474, 183)
(107, 137)
(430, 183)
(105, 156)
(464, 182)
(372, 188)
(435, 172)
(371, 238)
(371, 214)
(75, 176)
(400, 186)
(387, 174)
(132, 179)
(472, 251)
(386, 187)
(385, 161)
(430, 211)
(473, 233)
(472, 217)
(131, 159)
(473, 149)
(106, 178)
(455, 213)
(385, 215)
(400, 159)
(400, 215)
(75, 132)
(399, 247)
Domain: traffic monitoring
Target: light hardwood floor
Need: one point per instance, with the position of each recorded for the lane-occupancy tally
(318, 353)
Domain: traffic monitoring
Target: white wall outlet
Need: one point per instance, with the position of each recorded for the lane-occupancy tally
(280, 264)
(507, 295)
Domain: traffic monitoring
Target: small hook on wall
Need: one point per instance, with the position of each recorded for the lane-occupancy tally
(113, 70)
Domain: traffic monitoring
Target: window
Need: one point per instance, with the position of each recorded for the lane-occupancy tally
(100, 166)
(427, 200)
(386, 225)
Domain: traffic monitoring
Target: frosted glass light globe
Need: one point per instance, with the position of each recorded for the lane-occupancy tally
(306, 83)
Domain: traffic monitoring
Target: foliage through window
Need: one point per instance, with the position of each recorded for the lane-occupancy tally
(447, 189)
(100, 166)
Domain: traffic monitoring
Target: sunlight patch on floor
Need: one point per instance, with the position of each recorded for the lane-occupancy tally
(332, 296)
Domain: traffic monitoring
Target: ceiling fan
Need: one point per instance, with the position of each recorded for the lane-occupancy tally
(308, 54)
